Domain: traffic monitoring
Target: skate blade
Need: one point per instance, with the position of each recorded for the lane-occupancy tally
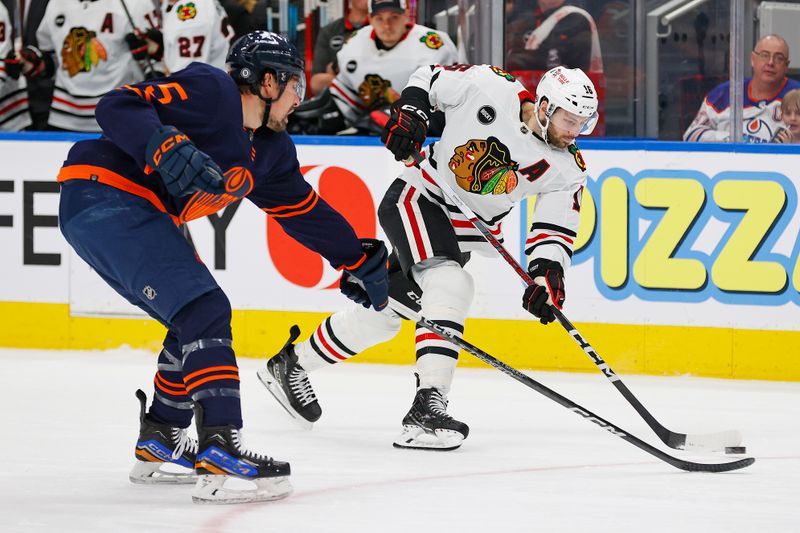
(275, 389)
(216, 490)
(152, 473)
(416, 438)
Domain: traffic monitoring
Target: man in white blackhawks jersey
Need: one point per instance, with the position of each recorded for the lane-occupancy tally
(376, 62)
(14, 114)
(87, 45)
(194, 30)
(499, 146)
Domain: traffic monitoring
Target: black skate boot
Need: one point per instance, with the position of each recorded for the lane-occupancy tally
(427, 426)
(160, 445)
(288, 382)
(223, 456)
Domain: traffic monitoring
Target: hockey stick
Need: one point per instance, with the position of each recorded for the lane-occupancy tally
(150, 68)
(526, 380)
(679, 441)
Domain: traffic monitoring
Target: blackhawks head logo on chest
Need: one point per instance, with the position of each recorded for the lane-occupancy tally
(484, 166)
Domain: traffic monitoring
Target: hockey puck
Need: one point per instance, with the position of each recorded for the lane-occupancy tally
(735, 449)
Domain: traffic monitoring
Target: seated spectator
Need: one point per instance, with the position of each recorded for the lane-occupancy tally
(543, 34)
(14, 114)
(195, 31)
(91, 48)
(790, 114)
(376, 63)
(330, 40)
(763, 94)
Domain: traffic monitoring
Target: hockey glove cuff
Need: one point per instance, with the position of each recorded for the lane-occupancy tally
(12, 65)
(407, 127)
(183, 168)
(547, 290)
(368, 283)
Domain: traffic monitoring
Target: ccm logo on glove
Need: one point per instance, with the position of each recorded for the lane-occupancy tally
(547, 290)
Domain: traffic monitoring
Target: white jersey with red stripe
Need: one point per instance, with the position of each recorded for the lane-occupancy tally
(87, 38)
(369, 76)
(14, 114)
(492, 160)
(195, 30)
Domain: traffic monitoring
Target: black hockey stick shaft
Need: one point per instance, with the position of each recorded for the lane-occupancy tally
(150, 67)
(670, 438)
(526, 380)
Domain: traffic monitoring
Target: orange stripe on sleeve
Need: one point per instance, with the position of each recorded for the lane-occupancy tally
(296, 213)
(305, 200)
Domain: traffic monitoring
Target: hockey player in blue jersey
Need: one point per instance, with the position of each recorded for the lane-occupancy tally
(173, 150)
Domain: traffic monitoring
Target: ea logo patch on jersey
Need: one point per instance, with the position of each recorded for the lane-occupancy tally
(576, 153)
(484, 166)
(60, 20)
(486, 115)
(432, 40)
(187, 11)
(351, 66)
(81, 51)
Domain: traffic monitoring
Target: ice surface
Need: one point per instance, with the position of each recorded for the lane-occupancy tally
(69, 424)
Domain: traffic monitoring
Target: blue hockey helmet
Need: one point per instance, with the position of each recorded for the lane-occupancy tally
(258, 52)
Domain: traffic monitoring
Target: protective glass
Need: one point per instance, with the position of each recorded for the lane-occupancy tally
(299, 88)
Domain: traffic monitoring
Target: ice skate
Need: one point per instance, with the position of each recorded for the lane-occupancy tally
(427, 426)
(229, 473)
(288, 382)
(164, 454)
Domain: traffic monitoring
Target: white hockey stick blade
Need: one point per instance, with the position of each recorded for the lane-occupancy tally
(275, 389)
(211, 489)
(714, 442)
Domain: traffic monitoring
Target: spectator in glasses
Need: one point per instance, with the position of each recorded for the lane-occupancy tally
(763, 94)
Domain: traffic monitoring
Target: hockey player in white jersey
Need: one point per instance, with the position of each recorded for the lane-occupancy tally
(197, 30)
(14, 114)
(85, 44)
(376, 62)
(499, 146)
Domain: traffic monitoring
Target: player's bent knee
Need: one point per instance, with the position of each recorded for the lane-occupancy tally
(445, 284)
(208, 316)
(361, 328)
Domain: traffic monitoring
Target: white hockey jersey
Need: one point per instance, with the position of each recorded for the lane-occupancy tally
(493, 161)
(91, 55)
(761, 118)
(194, 30)
(14, 114)
(369, 76)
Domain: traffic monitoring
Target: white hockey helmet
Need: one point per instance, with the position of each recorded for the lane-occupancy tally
(571, 90)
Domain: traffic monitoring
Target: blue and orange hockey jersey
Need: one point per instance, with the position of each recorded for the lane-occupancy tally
(204, 103)
(762, 118)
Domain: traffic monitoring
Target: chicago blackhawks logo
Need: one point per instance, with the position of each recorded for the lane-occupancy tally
(576, 153)
(187, 11)
(484, 167)
(375, 91)
(502, 73)
(432, 40)
(81, 51)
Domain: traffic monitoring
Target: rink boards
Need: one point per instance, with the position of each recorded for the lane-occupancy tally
(686, 262)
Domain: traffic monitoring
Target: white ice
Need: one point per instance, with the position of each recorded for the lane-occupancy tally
(69, 423)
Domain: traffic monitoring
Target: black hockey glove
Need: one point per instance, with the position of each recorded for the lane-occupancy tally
(13, 65)
(137, 45)
(368, 284)
(407, 127)
(36, 63)
(183, 168)
(547, 290)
